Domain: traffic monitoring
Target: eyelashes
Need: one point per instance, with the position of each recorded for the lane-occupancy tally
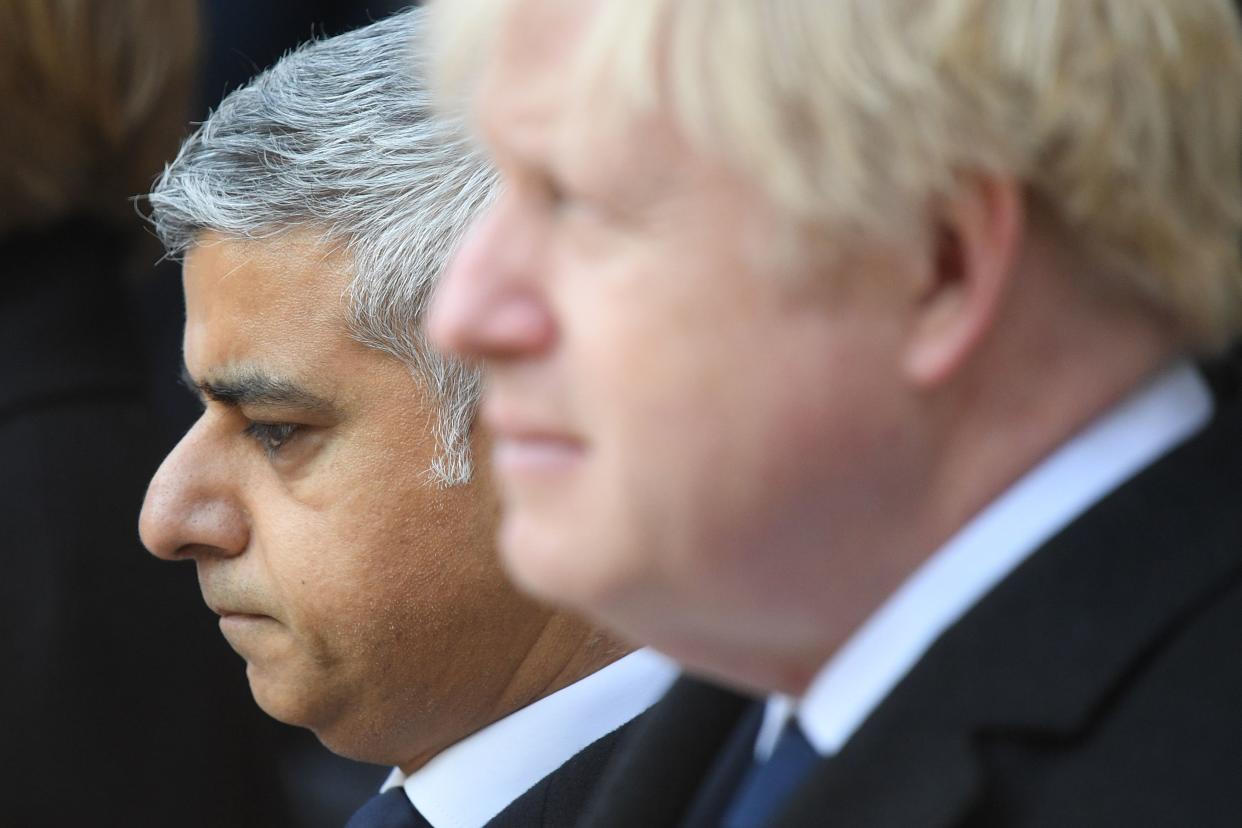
(271, 437)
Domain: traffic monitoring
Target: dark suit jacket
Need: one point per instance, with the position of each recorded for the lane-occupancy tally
(559, 799)
(121, 705)
(1099, 685)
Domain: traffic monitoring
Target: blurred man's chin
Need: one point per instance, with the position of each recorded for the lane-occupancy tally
(532, 550)
(552, 564)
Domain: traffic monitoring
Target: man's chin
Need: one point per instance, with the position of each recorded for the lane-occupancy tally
(286, 700)
(337, 714)
(301, 704)
(340, 727)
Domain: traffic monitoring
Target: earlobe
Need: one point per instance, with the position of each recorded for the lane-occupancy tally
(971, 259)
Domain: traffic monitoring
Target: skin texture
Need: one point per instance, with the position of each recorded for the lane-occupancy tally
(365, 599)
(718, 432)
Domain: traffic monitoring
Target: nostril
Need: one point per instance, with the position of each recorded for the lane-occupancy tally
(505, 324)
(519, 323)
(182, 528)
(191, 504)
(185, 512)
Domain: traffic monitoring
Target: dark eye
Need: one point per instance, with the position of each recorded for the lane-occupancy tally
(271, 436)
(554, 194)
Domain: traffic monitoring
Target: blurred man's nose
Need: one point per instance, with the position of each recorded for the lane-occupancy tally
(190, 507)
(490, 304)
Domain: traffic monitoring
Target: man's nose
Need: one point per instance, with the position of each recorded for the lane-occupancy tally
(490, 304)
(191, 506)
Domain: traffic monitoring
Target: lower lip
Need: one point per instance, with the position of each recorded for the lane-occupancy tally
(239, 621)
(538, 456)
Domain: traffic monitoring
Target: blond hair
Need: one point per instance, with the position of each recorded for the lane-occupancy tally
(1122, 118)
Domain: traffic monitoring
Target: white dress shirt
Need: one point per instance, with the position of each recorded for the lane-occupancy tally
(1132, 435)
(472, 781)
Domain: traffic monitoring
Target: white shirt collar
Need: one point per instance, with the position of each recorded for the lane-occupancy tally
(470, 782)
(1149, 423)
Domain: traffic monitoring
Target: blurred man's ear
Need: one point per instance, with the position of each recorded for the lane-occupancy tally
(971, 261)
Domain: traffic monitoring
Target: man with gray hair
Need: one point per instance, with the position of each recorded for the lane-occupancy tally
(845, 351)
(327, 494)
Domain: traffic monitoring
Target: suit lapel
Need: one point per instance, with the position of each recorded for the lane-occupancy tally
(720, 785)
(662, 766)
(560, 798)
(1044, 653)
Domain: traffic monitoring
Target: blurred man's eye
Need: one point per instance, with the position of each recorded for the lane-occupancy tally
(550, 193)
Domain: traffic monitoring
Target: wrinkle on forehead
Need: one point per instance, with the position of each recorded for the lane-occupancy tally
(277, 304)
(294, 277)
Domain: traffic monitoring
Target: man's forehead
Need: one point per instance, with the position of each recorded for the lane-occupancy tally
(535, 110)
(542, 30)
(273, 307)
(293, 255)
(286, 282)
(526, 84)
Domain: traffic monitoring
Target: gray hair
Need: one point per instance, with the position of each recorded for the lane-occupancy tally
(339, 138)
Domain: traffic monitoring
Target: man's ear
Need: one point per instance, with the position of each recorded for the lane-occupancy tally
(972, 258)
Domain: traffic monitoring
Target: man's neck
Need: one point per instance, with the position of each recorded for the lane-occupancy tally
(565, 651)
(1018, 403)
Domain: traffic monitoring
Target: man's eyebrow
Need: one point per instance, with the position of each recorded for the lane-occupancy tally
(254, 387)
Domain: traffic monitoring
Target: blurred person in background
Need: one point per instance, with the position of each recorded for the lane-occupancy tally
(843, 350)
(118, 707)
(327, 493)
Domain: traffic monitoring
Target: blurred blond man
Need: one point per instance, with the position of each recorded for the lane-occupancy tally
(842, 350)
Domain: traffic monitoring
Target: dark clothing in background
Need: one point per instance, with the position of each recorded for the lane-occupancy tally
(122, 704)
(1100, 684)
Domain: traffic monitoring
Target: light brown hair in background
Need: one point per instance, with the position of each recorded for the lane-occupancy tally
(94, 98)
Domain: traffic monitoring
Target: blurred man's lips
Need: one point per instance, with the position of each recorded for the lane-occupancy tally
(524, 446)
(534, 453)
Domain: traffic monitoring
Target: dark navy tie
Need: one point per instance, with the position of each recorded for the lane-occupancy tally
(391, 809)
(767, 785)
